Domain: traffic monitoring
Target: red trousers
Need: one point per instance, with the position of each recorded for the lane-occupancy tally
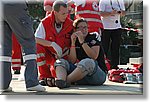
(16, 54)
(45, 62)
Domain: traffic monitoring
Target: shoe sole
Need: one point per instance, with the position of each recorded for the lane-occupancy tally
(61, 84)
(36, 90)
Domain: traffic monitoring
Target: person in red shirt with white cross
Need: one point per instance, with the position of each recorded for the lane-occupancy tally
(89, 10)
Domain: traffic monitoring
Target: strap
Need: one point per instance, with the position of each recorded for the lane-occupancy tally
(112, 5)
(50, 81)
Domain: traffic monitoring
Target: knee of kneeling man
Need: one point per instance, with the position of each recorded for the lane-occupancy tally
(63, 63)
(87, 65)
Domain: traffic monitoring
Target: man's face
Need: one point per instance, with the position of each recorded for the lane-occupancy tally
(61, 15)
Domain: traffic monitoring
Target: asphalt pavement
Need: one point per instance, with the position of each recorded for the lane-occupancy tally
(109, 88)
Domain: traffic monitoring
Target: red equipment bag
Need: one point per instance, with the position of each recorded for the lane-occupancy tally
(116, 75)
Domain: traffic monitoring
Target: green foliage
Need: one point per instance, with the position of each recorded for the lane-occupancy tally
(36, 10)
(128, 37)
(37, 13)
(127, 22)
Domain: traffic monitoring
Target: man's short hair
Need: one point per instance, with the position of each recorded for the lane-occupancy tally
(57, 4)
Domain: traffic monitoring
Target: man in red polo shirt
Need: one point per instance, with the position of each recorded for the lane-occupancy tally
(53, 39)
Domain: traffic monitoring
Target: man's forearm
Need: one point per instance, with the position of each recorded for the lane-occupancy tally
(105, 14)
(43, 42)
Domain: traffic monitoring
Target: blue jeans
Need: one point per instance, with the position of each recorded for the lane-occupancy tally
(97, 78)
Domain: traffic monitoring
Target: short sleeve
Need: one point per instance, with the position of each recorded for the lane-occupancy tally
(95, 39)
(40, 31)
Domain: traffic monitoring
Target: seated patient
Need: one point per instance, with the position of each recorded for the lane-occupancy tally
(86, 50)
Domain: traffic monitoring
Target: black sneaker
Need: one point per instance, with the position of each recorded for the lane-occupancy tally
(42, 82)
(62, 84)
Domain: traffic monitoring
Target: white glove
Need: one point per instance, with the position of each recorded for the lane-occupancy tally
(57, 48)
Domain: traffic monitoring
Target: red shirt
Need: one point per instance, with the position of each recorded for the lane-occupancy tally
(90, 12)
